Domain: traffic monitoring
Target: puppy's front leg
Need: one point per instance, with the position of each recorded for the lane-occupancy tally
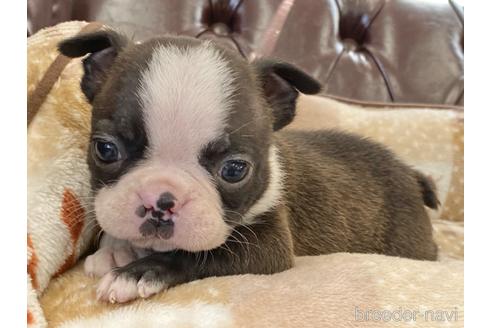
(261, 248)
(112, 252)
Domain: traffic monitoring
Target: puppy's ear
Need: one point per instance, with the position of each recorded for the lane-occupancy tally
(103, 47)
(281, 83)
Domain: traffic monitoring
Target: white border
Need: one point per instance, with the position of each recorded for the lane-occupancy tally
(478, 163)
(13, 161)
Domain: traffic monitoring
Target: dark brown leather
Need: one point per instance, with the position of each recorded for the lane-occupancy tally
(372, 50)
(43, 13)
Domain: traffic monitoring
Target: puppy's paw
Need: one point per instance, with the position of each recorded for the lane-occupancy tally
(107, 258)
(116, 288)
(149, 284)
(121, 287)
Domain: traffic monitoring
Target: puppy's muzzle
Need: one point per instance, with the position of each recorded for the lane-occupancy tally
(158, 214)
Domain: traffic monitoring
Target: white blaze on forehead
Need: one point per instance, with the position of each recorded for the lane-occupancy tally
(186, 96)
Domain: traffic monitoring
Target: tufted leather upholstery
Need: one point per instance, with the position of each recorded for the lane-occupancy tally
(43, 13)
(371, 50)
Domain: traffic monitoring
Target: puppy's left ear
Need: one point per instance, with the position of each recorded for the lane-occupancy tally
(281, 83)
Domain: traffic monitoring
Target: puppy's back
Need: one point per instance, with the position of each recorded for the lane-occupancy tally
(345, 193)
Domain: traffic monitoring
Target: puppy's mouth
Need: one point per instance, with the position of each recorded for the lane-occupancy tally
(156, 234)
(158, 224)
(157, 228)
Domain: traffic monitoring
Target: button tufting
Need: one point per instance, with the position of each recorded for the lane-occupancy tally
(414, 48)
(353, 28)
(220, 17)
(221, 29)
(350, 45)
(55, 8)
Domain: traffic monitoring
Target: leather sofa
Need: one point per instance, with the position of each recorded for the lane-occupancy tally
(369, 50)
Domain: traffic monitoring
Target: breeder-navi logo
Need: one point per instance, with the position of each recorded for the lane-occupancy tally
(405, 315)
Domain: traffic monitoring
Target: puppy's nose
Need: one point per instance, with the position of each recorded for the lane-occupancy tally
(166, 201)
(156, 210)
(153, 200)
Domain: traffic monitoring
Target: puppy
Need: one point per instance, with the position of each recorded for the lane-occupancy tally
(194, 177)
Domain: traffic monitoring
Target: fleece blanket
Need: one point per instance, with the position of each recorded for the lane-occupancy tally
(337, 290)
(59, 228)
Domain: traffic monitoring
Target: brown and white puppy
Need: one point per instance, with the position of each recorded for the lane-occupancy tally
(193, 178)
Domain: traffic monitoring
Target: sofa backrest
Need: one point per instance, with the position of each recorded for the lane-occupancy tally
(369, 50)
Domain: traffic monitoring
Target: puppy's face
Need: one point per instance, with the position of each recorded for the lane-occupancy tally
(181, 148)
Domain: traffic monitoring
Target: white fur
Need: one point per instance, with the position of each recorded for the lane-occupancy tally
(112, 253)
(151, 314)
(119, 289)
(149, 288)
(273, 193)
(99, 263)
(185, 94)
(116, 289)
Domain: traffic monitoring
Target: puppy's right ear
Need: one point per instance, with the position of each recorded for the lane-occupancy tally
(103, 47)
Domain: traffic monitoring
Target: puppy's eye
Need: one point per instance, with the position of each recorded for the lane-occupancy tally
(106, 151)
(234, 171)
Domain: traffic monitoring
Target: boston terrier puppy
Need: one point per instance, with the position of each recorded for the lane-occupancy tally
(194, 177)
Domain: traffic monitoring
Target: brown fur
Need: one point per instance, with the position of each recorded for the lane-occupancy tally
(348, 194)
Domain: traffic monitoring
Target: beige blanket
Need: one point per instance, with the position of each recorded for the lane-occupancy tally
(337, 290)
